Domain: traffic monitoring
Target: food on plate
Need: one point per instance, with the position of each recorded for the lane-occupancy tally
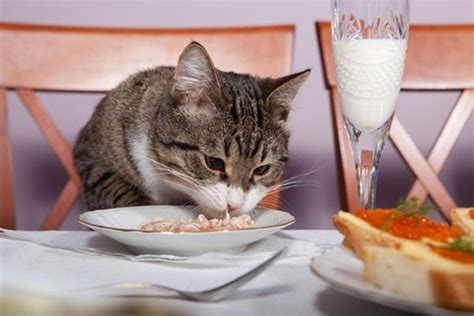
(390, 227)
(200, 224)
(442, 275)
(464, 218)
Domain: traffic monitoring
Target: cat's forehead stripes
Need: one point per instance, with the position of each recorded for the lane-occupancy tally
(257, 140)
(178, 144)
(246, 111)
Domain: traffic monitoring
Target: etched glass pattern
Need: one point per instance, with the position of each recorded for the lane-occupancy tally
(369, 43)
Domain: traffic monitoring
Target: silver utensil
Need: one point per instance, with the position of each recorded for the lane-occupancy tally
(212, 295)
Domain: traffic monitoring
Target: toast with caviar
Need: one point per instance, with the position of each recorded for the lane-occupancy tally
(441, 275)
(391, 227)
(464, 218)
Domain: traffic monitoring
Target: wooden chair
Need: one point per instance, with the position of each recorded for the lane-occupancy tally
(54, 58)
(438, 58)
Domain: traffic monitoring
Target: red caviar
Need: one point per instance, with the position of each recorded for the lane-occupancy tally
(413, 227)
(454, 254)
(471, 213)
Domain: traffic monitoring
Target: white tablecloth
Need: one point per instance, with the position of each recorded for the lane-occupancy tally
(287, 288)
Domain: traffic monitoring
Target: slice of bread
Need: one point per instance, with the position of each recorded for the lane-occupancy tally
(358, 234)
(461, 218)
(415, 272)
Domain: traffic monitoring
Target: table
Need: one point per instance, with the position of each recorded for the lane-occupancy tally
(287, 288)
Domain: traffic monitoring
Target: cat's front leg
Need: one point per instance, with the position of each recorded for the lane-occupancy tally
(105, 189)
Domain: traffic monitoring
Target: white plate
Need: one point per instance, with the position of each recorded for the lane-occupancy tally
(121, 225)
(344, 271)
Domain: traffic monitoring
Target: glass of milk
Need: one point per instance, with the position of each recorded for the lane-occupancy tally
(369, 42)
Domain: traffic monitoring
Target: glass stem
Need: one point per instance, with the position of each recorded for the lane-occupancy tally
(367, 175)
(367, 148)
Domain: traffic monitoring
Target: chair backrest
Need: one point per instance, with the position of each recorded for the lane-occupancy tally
(54, 58)
(449, 48)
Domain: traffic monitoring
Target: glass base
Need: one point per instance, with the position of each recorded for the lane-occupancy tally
(367, 148)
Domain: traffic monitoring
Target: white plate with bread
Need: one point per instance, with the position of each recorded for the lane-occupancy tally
(418, 275)
(341, 269)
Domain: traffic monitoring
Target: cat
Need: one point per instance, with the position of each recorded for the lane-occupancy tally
(190, 133)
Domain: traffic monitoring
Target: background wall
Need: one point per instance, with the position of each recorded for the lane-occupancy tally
(39, 177)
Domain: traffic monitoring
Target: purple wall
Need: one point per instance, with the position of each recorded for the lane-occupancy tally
(39, 177)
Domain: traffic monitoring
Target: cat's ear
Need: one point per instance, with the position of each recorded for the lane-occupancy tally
(281, 92)
(195, 75)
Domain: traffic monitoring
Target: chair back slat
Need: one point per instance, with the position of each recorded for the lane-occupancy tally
(7, 201)
(447, 138)
(421, 168)
(97, 59)
(52, 134)
(439, 57)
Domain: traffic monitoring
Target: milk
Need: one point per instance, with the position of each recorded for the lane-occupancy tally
(368, 75)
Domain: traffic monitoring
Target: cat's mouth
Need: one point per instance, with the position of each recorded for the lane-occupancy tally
(221, 214)
(210, 213)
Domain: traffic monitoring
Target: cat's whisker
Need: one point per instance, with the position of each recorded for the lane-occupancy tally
(195, 188)
(299, 185)
(204, 192)
(164, 172)
(313, 170)
(297, 177)
(201, 209)
(173, 171)
(175, 184)
(293, 184)
(297, 182)
(280, 185)
(291, 180)
(211, 197)
(252, 212)
(198, 208)
(186, 189)
(181, 176)
(286, 205)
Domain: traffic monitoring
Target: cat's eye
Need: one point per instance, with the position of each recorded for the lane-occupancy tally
(260, 171)
(215, 163)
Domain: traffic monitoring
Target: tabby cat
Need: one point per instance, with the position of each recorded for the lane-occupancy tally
(190, 133)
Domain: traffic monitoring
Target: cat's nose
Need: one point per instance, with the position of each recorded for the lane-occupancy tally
(235, 198)
(233, 206)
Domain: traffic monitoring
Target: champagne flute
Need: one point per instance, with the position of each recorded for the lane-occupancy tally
(369, 40)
